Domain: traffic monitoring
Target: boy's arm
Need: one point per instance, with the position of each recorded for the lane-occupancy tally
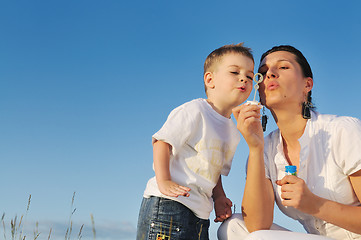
(222, 205)
(161, 156)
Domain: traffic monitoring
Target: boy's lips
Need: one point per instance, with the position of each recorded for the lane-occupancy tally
(242, 88)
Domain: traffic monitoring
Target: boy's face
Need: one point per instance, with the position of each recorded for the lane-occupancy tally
(232, 79)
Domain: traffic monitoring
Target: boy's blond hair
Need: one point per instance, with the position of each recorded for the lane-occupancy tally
(216, 56)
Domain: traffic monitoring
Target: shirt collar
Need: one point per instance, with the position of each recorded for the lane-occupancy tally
(304, 140)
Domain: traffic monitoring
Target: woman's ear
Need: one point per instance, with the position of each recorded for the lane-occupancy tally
(208, 80)
(309, 84)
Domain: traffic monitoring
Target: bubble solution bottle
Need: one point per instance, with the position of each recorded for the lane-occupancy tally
(291, 170)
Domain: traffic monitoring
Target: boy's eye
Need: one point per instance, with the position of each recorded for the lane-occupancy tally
(250, 78)
(234, 72)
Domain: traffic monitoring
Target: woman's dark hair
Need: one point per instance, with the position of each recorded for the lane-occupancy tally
(301, 60)
(306, 69)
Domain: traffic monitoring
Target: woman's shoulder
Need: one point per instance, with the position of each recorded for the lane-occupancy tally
(335, 125)
(335, 121)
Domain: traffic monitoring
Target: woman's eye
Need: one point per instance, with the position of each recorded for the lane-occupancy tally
(284, 67)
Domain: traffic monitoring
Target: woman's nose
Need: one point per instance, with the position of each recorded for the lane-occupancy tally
(271, 74)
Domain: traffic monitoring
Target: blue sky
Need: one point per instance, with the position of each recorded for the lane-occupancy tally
(85, 84)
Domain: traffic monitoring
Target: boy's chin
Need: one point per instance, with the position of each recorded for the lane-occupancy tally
(239, 102)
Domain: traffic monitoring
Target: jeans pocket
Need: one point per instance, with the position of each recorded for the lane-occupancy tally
(202, 229)
(161, 230)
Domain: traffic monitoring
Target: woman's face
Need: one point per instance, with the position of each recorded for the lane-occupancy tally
(284, 84)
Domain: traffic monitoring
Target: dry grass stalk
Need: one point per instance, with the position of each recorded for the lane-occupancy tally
(2, 220)
(26, 214)
(93, 226)
(13, 227)
(80, 232)
(36, 231)
(70, 222)
(50, 233)
(16, 226)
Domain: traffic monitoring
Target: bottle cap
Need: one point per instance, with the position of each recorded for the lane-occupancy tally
(291, 169)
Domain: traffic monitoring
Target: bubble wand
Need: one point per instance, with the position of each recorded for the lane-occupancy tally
(256, 87)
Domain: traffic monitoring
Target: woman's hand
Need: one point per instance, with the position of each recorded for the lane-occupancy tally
(295, 193)
(249, 124)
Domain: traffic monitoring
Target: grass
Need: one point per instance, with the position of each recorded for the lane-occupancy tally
(17, 226)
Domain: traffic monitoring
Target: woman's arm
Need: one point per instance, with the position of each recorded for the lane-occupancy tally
(161, 156)
(258, 197)
(301, 198)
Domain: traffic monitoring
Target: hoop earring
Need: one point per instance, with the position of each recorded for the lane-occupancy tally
(264, 120)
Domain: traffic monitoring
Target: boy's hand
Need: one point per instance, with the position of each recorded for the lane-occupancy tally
(222, 208)
(161, 155)
(172, 189)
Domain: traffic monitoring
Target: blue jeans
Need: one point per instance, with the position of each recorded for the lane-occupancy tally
(165, 219)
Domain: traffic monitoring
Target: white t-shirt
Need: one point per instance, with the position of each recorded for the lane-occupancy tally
(330, 152)
(203, 145)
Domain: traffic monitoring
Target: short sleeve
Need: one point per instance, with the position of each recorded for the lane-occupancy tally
(176, 130)
(266, 167)
(268, 151)
(347, 145)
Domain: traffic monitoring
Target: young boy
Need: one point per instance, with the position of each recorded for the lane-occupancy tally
(193, 148)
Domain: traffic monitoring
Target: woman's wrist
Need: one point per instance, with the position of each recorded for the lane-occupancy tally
(256, 149)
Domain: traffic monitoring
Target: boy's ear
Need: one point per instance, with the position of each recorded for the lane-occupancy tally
(208, 80)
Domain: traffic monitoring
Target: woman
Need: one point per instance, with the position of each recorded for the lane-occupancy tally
(325, 196)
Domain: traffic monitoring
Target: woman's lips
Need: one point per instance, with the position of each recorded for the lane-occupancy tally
(272, 85)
